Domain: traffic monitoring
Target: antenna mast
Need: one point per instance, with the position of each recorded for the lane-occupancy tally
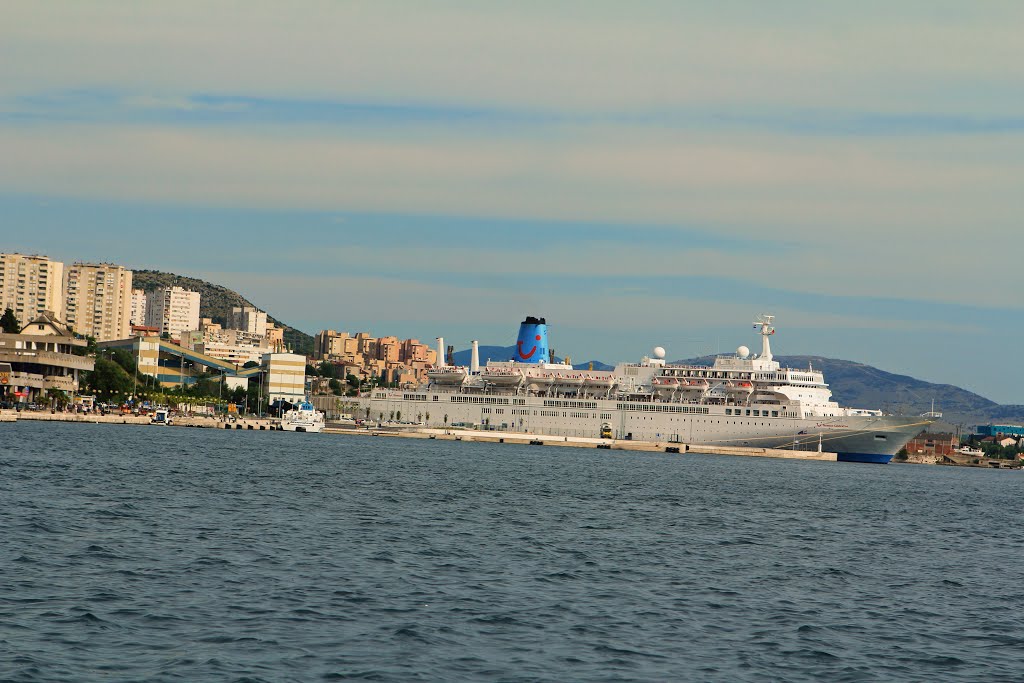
(764, 321)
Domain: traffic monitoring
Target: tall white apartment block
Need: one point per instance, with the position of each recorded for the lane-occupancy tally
(98, 300)
(138, 316)
(173, 310)
(30, 285)
(248, 319)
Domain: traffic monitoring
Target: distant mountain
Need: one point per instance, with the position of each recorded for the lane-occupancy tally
(216, 302)
(856, 385)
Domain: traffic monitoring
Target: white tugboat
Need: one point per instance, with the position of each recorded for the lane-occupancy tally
(303, 418)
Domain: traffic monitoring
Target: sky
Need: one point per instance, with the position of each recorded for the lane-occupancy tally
(640, 174)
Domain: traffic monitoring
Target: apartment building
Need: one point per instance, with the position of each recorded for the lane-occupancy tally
(98, 300)
(249, 319)
(275, 338)
(172, 310)
(138, 316)
(31, 284)
(233, 346)
(394, 360)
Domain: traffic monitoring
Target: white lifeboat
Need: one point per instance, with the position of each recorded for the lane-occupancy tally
(448, 374)
(505, 377)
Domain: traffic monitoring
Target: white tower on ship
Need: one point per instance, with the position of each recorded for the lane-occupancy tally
(440, 353)
(764, 321)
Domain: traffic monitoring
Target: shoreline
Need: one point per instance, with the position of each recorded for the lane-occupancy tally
(439, 434)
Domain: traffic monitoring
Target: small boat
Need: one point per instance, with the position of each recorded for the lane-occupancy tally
(303, 418)
(448, 374)
(161, 416)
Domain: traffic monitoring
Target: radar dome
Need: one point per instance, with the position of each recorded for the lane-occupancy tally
(743, 352)
(659, 352)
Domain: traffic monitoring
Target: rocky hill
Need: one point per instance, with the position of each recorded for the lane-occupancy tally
(216, 302)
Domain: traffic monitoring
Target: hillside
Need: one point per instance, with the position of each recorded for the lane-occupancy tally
(216, 302)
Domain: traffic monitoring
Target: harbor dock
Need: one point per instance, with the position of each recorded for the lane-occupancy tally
(417, 432)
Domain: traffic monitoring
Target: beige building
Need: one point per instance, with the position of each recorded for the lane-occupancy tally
(39, 358)
(98, 300)
(234, 346)
(275, 338)
(30, 285)
(402, 361)
(285, 377)
(138, 315)
(248, 319)
(172, 310)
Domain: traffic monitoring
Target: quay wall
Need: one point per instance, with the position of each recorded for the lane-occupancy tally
(438, 434)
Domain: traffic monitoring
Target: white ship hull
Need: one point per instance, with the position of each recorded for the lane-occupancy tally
(743, 400)
(656, 421)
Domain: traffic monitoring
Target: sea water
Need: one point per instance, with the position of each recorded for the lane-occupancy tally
(164, 553)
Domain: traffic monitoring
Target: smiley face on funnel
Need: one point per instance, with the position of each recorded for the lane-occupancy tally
(532, 344)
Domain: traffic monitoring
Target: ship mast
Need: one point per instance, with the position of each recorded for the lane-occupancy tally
(764, 321)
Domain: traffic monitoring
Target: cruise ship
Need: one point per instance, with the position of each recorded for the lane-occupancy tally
(744, 400)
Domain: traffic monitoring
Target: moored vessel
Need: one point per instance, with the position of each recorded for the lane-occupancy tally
(742, 400)
(303, 417)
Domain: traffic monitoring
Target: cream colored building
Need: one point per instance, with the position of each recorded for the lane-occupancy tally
(285, 377)
(98, 300)
(138, 316)
(248, 319)
(41, 357)
(275, 338)
(30, 285)
(234, 346)
(172, 310)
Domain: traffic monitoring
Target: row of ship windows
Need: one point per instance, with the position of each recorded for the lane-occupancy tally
(661, 408)
(751, 413)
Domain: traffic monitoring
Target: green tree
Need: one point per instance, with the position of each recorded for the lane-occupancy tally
(9, 323)
(108, 379)
(237, 395)
(335, 386)
(311, 371)
(57, 398)
(328, 370)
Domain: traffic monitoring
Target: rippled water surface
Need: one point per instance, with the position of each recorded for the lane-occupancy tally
(149, 553)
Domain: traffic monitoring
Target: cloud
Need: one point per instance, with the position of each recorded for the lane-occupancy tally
(561, 56)
(901, 213)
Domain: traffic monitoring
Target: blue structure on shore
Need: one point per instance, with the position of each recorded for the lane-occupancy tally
(1001, 430)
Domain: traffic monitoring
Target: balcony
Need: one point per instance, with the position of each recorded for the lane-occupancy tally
(61, 360)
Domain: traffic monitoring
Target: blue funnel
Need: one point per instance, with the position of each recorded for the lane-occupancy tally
(532, 344)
